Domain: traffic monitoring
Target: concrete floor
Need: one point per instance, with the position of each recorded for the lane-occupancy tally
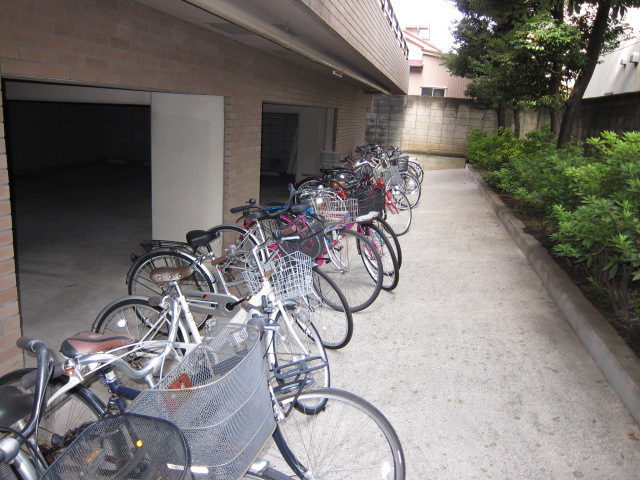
(469, 358)
(76, 229)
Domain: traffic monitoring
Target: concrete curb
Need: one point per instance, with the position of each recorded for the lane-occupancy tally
(617, 361)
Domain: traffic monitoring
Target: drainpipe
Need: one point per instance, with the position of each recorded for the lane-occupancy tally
(228, 11)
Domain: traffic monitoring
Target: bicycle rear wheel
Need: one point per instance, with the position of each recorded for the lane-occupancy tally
(390, 269)
(348, 268)
(349, 438)
(139, 276)
(134, 316)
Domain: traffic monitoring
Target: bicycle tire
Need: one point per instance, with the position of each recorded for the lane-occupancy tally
(329, 311)
(390, 269)
(416, 168)
(411, 187)
(66, 417)
(139, 281)
(287, 351)
(398, 212)
(344, 264)
(350, 438)
(386, 229)
(134, 316)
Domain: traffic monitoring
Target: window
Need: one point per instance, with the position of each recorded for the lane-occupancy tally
(433, 91)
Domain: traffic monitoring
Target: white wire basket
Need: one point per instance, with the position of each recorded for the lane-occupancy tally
(218, 396)
(335, 211)
(289, 274)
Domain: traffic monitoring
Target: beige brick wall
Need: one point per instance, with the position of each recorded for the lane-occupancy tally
(360, 23)
(10, 356)
(123, 44)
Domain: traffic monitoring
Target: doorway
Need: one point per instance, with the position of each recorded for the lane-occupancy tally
(292, 139)
(82, 177)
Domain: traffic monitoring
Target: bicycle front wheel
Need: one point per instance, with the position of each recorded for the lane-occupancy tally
(349, 438)
(241, 241)
(398, 211)
(329, 311)
(349, 267)
(388, 232)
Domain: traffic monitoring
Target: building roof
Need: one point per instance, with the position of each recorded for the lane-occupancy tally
(425, 46)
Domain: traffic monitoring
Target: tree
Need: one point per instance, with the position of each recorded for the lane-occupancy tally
(535, 53)
(604, 27)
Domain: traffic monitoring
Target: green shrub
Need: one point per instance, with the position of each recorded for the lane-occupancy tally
(537, 176)
(604, 230)
(487, 153)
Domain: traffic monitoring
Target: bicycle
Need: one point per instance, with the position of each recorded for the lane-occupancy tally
(326, 304)
(350, 259)
(342, 257)
(237, 349)
(290, 277)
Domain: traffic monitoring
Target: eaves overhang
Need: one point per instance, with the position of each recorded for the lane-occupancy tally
(287, 29)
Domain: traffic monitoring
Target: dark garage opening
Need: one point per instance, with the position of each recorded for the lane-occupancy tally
(278, 155)
(80, 184)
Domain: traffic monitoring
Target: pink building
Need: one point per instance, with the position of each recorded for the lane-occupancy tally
(426, 74)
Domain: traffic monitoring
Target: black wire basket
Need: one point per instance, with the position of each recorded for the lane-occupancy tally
(370, 200)
(125, 446)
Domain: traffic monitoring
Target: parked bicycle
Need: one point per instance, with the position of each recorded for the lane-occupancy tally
(203, 396)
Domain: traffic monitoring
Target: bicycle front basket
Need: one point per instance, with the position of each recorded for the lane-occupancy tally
(218, 395)
(124, 446)
(370, 200)
(335, 211)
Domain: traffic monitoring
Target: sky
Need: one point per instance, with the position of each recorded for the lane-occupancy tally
(437, 13)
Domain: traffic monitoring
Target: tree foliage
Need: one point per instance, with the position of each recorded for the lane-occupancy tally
(534, 53)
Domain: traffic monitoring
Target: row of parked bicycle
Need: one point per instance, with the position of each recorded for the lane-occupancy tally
(221, 345)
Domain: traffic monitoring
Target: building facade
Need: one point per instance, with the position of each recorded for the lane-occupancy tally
(206, 73)
(427, 75)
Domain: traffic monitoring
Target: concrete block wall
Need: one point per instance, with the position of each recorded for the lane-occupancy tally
(434, 124)
(124, 44)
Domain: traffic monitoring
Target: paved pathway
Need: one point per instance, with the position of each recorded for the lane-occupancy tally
(474, 364)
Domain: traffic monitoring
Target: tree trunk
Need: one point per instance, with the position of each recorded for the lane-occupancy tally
(502, 116)
(594, 47)
(555, 83)
(516, 122)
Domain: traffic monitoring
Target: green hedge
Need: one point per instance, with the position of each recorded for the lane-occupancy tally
(589, 193)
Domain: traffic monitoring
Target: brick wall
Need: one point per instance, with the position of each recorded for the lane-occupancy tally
(10, 357)
(360, 22)
(124, 44)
